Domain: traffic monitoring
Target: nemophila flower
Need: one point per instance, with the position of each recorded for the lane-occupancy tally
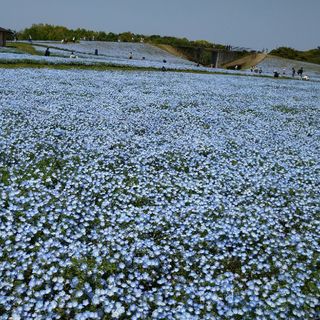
(183, 199)
(118, 310)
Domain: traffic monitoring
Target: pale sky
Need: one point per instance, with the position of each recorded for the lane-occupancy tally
(254, 24)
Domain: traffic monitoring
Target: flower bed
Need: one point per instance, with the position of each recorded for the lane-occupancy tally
(142, 195)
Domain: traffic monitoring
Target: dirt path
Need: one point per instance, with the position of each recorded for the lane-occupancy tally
(247, 61)
(172, 50)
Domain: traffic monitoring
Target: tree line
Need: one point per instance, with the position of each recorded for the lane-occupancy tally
(58, 33)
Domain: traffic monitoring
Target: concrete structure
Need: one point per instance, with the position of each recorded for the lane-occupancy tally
(210, 56)
(221, 57)
(3, 37)
(217, 57)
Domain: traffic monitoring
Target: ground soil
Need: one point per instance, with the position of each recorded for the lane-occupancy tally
(172, 50)
(246, 62)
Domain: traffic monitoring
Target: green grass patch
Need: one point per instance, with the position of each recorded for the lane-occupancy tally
(24, 48)
(4, 176)
(285, 109)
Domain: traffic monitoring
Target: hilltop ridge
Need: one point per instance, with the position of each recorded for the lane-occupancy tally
(312, 56)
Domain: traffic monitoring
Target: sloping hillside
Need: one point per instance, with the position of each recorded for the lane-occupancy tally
(118, 50)
(273, 63)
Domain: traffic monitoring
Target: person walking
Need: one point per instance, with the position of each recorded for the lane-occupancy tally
(47, 52)
(73, 56)
(293, 72)
(300, 72)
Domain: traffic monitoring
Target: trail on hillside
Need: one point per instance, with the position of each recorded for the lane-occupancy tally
(247, 61)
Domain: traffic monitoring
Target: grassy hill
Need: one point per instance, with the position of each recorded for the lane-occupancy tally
(312, 55)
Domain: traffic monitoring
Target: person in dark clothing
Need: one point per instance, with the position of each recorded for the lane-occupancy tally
(276, 74)
(300, 72)
(96, 52)
(293, 72)
(47, 52)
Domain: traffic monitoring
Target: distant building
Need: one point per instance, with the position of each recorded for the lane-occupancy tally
(3, 36)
